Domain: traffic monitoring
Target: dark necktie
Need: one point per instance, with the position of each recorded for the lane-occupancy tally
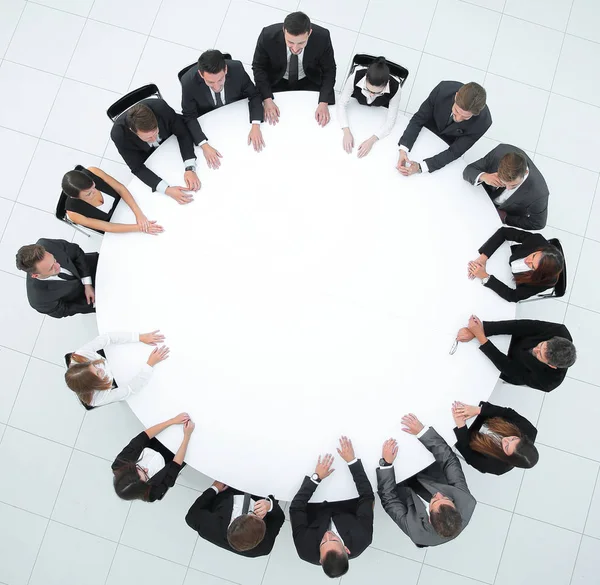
(246, 504)
(293, 71)
(450, 120)
(218, 99)
(66, 276)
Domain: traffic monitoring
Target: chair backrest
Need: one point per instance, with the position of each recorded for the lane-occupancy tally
(364, 60)
(61, 213)
(132, 98)
(188, 67)
(68, 363)
(560, 288)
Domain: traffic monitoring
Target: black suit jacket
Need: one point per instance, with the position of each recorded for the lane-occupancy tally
(520, 366)
(197, 100)
(62, 298)
(483, 462)
(434, 114)
(210, 516)
(527, 208)
(527, 243)
(270, 61)
(353, 518)
(135, 151)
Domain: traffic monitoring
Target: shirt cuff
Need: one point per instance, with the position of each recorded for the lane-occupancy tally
(162, 187)
(86, 280)
(271, 508)
(311, 479)
(203, 142)
(423, 431)
(353, 461)
(424, 167)
(478, 179)
(402, 147)
(214, 488)
(190, 162)
(256, 122)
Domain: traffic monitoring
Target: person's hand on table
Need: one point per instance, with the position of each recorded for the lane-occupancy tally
(90, 294)
(467, 411)
(458, 416)
(481, 260)
(477, 270)
(347, 450)
(322, 114)
(464, 335)
(152, 338)
(211, 155)
(323, 468)
(159, 354)
(366, 146)
(261, 508)
(390, 450)
(271, 111)
(188, 427)
(348, 140)
(402, 160)
(475, 326)
(180, 418)
(412, 169)
(221, 487)
(178, 193)
(256, 138)
(191, 180)
(491, 179)
(147, 226)
(412, 424)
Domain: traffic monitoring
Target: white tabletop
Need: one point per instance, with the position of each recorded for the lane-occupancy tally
(304, 294)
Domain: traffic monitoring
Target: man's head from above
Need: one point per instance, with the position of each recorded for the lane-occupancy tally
(512, 169)
(213, 69)
(246, 532)
(37, 262)
(469, 101)
(557, 352)
(296, 30)
(444, 517)
(333, 555)
(140, 119)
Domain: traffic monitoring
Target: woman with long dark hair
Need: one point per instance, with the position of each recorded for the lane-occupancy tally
(535, 263)
(146, 469)
(498, 440)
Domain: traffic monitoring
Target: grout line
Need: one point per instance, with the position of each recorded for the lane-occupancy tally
(118, 542)
(597, 461)
(458, 574)
(587, 225)
(222, 23)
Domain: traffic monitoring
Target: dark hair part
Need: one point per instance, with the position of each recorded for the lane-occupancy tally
(335, 564)
(28, 257)
(471, 97)
(74, 182)
(446, 521)
(211, 62)
(551, 264)
(128, 485)
(378, 73)
(140, 118)
(246, 532)
(512, 166)
(560, 352)
(296, 24)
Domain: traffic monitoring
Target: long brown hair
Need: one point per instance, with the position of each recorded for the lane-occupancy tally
(551, 265)
(84, 382)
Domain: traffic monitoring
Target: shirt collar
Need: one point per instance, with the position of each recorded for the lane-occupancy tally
(362, 84)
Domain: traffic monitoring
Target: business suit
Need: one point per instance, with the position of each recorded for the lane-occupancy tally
(480, 461)
(197, 99)
(520, 366)
(403, 504)
(269, 63)
(527, 243)
(527, 207)
(63, 298)
(353, 519)
(434, 114)
(135, 151)
(210, 516)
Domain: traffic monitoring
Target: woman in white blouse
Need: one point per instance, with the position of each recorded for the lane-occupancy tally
(370, 86)
(89, 374)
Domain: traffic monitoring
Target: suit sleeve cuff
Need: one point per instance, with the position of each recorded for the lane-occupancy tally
(424, 167)
(190, 162)
(478, 179)
(214, 488)
(86, 280)
(203, 142)
(162, 187)
(311, 479)
(423, 431)
(271, 507)
(256, 122)
(402, 147)
(353, 461)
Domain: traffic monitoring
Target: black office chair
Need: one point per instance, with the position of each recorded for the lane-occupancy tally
(61, 213)
(560, 288)
(68, 363)
(364, 60)
(132, 98)
(186, 69)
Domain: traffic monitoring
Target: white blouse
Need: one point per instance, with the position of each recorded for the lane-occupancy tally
(106, 206)
(152, 460)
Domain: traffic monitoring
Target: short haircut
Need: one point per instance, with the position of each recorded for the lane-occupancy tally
(512, 166)
(211, 62)
(471, 97)
(28, 257)
(296, 24)
(74, 182)
(246, 532)
(335, 563)
(378, 73)
(140, 118)
(560, 352)
(446, 521)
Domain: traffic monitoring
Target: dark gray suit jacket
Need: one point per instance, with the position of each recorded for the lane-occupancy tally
(527, 208)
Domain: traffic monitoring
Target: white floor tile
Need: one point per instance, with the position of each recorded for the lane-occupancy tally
(469, 554)
(45, 38)
(450, 16)
(80, 7)
(500, 491)
(593, 227)
(90, 244)
(11, 12)
(78, 117)
(193, 479)
(382, 18)
(200, 27)
(551, 13)
(592, 525)
(339, 12)
(68, 554)
(136, 15)
(480, 149)
(16, 150)
(26, 107)
(29, 458)
(583, 326)
(119, 171)
(6, 208)
(537, 553)
(526, 401)
(585, 287)
(12, 365)
(552, 310)
(586, 567)
(194, 577)
(585, 20)
(383, 566)
(128, 561)
(343, 45)
(433, 576)
(109, 64)
(20, 540)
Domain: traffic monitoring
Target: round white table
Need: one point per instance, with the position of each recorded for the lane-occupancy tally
(304, 294)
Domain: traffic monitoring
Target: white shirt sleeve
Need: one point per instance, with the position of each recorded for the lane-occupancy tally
(392, 114)
(422, 432)
(103, 341)
(424, 167)
(134, 386)
(86, 280)
(478, 179)
(344, 100)
(162, 187)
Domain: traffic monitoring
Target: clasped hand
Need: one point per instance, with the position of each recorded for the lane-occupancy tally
(403, 160)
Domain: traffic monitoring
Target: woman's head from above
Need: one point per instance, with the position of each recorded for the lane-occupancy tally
(377, 77)
(78, 185)
(131, 481)
(545, 266)
(85, 377)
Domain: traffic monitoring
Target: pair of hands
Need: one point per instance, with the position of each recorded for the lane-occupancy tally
(476, 268)
(272, 112)
(185, 420)
(324, 463)
(260, 508)
(192, 183)
(159, 354)
(462, 412)
(403, 160)
(147, 226)
(411, 425)
(363, 149)
(472, 330)
(213, 156)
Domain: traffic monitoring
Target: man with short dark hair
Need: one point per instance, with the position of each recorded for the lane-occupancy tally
(60, 277)
(331, 533)
(435, 505)
(240, 523)
(215, 82)
(138, 132)
(514, 184)
(455, 112)
(295, 55)
(539, 355)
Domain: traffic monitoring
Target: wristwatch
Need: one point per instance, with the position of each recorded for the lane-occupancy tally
(315, 477)
(384, 463)
(484, 281)
(190, 168)
(420, 169)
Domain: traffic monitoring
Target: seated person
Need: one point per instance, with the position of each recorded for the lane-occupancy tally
(499, 439)
(238, 522)
(60, 277)
(146, 469)
(92, 197)
(539, 355)
(330, 533)
(138, 133)
(370, 86)
(214, 83)
(295, 55)
(535, 264)
(456, 113)
(89, 374)
(435, 505)
(514, 184)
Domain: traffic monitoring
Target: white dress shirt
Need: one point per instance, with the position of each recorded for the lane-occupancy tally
(152, 460)
(84, 281)
(519, 265)
(301, 73)
(334, 529)
(506, 193)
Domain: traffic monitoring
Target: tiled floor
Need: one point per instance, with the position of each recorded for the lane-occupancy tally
(63, 61)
